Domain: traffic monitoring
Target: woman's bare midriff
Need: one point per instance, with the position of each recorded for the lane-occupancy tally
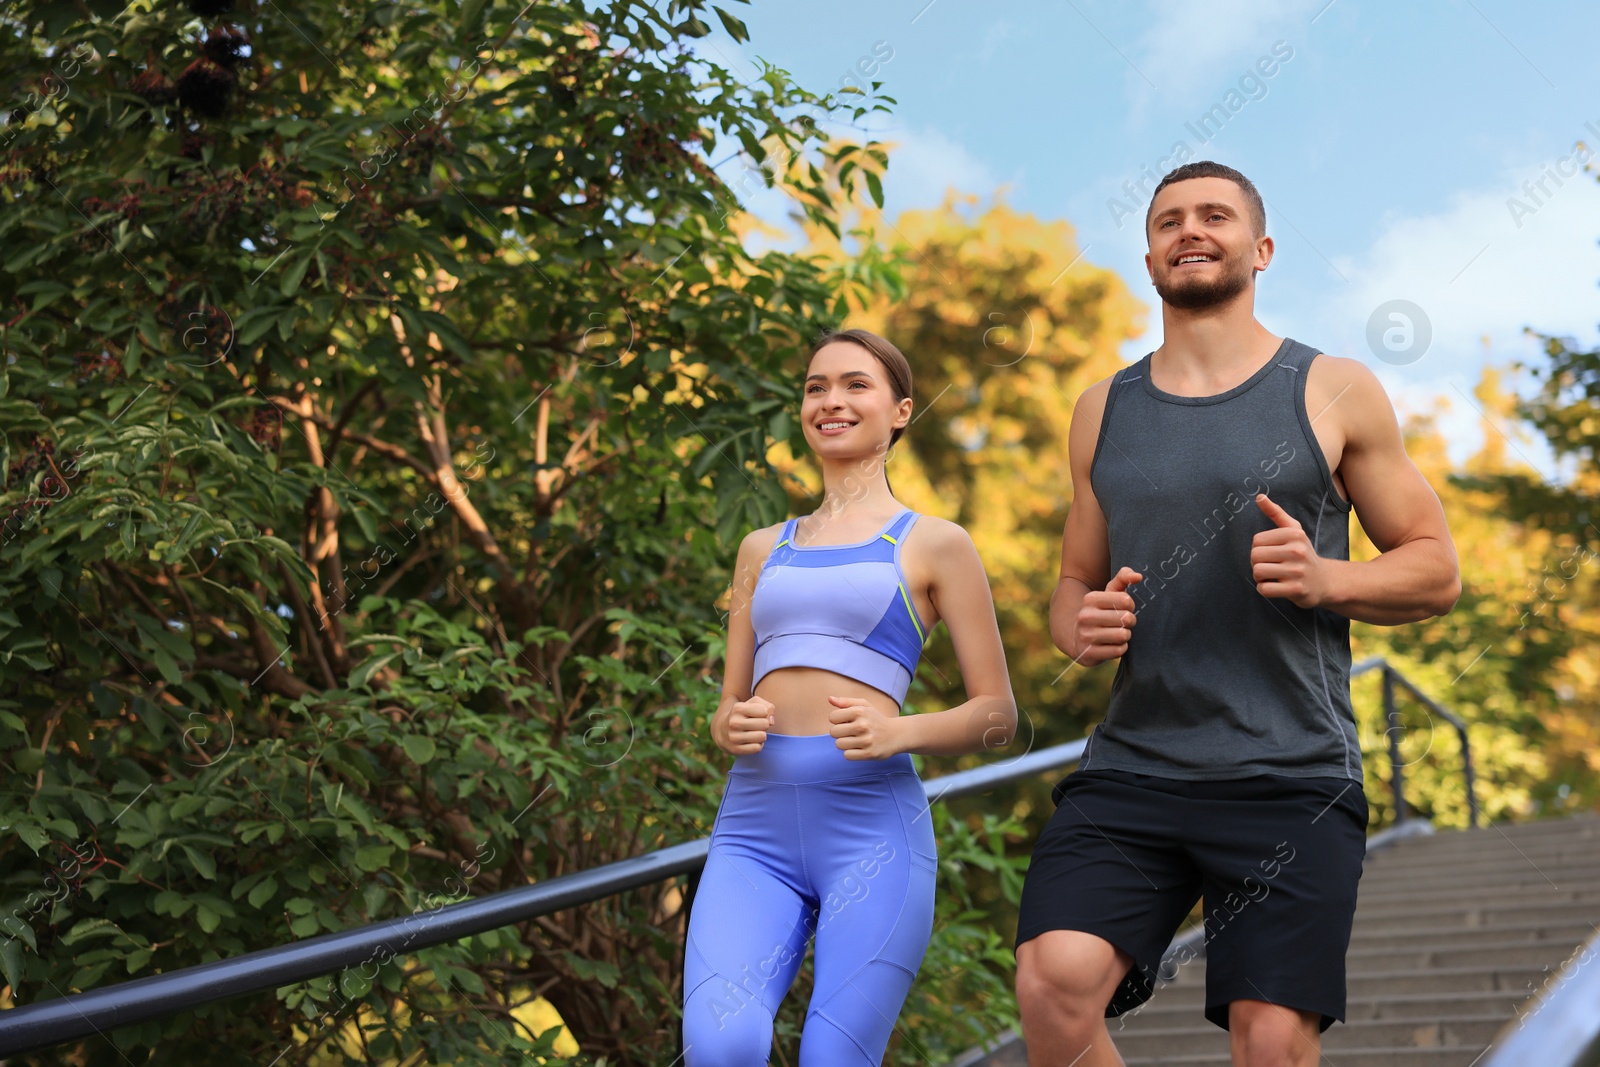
(799, 696)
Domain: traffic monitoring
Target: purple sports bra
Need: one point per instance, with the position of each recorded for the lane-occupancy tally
(843, 608)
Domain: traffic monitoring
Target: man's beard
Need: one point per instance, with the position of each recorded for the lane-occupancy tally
(1198, 294)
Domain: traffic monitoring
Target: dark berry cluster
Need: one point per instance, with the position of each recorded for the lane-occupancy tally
(127, 206)
(36, 460)
(225, 45)
(203, 335)
(267, 427)
(194, 144)
(155, 87)
(89, 364)
(205, 86)
(42, 457)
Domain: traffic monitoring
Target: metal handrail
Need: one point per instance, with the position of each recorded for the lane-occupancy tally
(1568, 1034)
(80, 1015)
(1391, 713)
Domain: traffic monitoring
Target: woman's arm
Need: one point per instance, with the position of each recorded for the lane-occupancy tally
(959, 590)
(739, 664)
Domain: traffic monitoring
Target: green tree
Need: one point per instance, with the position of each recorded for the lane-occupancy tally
(384, 394)
(1557, 606)
(1499, 660)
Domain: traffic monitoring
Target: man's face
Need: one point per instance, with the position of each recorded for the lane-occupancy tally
(1203, 246)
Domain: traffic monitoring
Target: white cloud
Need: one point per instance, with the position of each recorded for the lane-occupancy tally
(1479, 278)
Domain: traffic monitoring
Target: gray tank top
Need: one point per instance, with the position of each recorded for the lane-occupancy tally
(1218, 680)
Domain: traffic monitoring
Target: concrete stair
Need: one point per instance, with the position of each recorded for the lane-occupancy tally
(1455, 934)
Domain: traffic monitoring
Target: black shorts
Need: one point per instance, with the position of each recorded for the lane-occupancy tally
(1276, 859)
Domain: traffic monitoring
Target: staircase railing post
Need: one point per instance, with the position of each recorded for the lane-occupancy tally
(1466, 766)
(1391, 713)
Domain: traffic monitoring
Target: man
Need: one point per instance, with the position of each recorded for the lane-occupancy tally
(1212, 486)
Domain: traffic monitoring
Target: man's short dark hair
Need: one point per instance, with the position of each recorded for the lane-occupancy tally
(1205, 168)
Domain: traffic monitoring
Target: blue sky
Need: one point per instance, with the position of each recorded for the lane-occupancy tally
(1388, 141)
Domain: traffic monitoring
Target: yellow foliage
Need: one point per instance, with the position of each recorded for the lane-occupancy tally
(1496, 660)
(536, 1016)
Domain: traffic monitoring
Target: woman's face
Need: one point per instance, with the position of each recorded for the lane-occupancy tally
(848, 391)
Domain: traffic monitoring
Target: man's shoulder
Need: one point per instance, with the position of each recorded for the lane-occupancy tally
(1331, 378)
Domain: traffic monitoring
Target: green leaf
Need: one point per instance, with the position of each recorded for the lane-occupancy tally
(471, 16)
(295, 271)
(874, 186)
(255, 322)
(167, 666)
(752, 144)
(263, 892)
(373, 896)
(11, 963)
(368, 668)
(15, 928)
(375, 858)
(418, 748)
(201, 861)
(736, 29)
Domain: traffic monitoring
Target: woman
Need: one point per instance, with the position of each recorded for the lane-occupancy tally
(824, 826)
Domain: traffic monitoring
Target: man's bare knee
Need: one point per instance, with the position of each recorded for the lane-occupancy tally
(1270, 1035)
(1069, 971)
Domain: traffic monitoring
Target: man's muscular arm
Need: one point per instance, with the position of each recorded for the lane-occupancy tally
(1417, 575)
(1091, 619)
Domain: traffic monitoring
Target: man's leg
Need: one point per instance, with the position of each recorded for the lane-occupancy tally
(1065, 978)
(1268, 1035)
(1282, 858)
(1108, 884)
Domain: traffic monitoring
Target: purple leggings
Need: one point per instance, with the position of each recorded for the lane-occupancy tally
(808, 842)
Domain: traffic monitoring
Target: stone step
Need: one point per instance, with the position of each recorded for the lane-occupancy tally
(1149, 1044)
(1508, 879)
(1448, 845)
(1522, 980)
(1516, 887)
(1572, 933)
(1497, 1004)
(1483, 858)
(1573, 825)
(1534, 907)
(1488, 954)
(1458, 1056)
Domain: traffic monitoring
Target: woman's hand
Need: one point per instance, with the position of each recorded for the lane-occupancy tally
(861, 731)
(744, 730)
